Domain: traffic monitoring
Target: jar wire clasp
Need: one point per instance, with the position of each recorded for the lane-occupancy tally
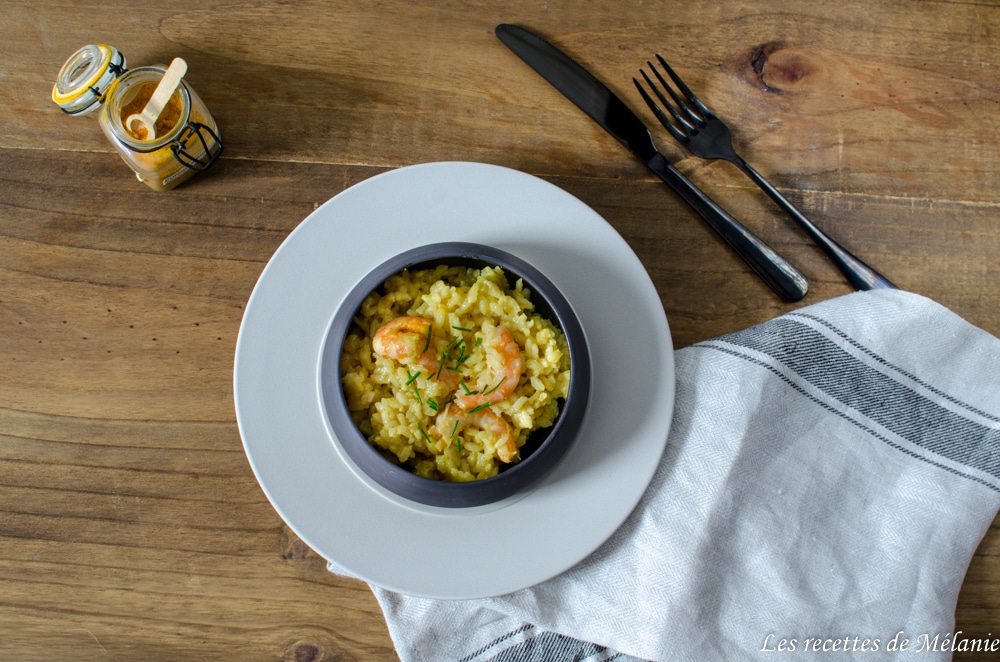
(210, 152)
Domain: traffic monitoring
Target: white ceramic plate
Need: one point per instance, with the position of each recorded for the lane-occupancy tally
(439, 552)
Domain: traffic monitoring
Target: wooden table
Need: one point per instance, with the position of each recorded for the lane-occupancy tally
(131, 526)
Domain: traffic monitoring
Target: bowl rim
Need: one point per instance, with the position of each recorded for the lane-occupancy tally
(513, 480)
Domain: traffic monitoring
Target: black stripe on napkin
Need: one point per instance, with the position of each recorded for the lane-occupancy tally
(931, 388)
(895, 406)
(530, 644)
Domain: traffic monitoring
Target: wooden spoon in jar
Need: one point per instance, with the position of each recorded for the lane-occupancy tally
(146, 120)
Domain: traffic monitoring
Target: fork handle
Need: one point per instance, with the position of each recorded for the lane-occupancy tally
(779, 274)
(858, 274)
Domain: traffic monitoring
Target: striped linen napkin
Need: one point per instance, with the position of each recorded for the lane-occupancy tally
(827, 478)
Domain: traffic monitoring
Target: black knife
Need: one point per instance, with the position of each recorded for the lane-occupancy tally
(601, 104)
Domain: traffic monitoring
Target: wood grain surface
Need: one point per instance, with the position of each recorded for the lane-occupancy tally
(131, 525)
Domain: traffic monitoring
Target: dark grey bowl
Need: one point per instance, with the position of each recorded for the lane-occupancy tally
(543, 450)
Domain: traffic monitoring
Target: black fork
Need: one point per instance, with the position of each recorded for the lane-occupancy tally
(693, 125)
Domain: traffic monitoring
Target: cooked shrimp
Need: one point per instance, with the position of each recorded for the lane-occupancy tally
(403, 338)
(505, 367)
(411, 339)
(505, 446)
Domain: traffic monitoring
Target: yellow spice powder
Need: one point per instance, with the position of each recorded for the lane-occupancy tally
(168, 118)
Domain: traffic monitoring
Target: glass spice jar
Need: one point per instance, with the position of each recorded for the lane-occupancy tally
(187, 137)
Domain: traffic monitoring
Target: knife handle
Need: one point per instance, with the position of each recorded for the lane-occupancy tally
(857, 273)
(779, 274)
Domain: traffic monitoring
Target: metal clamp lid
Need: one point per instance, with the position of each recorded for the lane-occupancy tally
(85, 78)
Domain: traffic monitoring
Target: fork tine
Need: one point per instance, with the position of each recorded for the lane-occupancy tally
(691, 123)
(693, 119)
(678, 135)
(685, 90)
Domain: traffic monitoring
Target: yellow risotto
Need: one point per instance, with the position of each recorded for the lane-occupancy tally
(447, 371)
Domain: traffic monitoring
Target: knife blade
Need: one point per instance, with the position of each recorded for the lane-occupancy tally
(595, 99)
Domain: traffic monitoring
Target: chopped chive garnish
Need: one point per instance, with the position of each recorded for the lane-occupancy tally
(454, 341)
(466, 389)
(462, 328)
(416, 391)
(458, 443)
(454, 428)
(412, 377)
(424, 433)
(488, 391)
(482, 406)
(454, 369)
(432, 403)
(479, 341)
(430, 329)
